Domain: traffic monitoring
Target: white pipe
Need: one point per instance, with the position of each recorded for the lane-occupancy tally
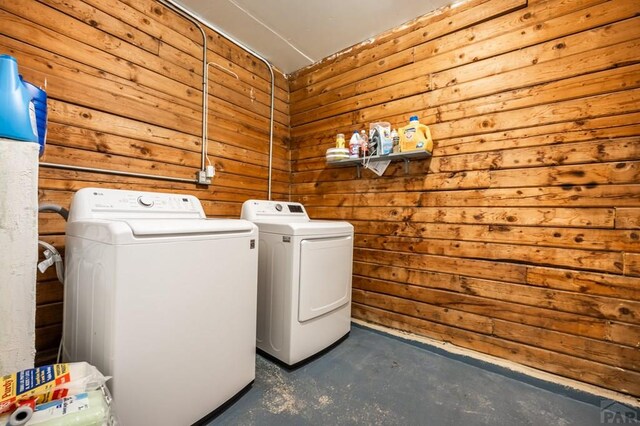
(185, 11)
(205, 107)
(116, 172)
(271, 130)
(205, 81)
(205, 91)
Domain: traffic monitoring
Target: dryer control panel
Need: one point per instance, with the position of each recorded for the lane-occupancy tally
(255, 210)
(98, 203)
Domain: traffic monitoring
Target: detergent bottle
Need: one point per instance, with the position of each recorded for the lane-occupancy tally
(395, 138)
(17, 110)
(39, 100)
(354, 145)
(415, 136)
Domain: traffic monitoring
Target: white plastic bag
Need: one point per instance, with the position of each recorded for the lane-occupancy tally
(34, 386)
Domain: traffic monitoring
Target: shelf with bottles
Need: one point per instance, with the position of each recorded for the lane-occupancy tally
(413, 142)
(396, 156)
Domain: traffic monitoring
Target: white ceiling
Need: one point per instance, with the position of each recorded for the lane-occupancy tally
(292, 34)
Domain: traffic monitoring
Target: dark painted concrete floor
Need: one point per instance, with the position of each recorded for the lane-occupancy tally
(377, 379)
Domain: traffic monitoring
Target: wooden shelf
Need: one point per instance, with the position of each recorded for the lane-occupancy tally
(398, 156)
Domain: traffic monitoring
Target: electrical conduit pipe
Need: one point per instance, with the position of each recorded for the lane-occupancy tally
(205, 107)
(197, 21)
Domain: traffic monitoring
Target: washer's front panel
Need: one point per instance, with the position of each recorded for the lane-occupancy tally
(184, 320)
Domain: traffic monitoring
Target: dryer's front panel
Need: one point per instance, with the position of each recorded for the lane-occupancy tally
(325, 275)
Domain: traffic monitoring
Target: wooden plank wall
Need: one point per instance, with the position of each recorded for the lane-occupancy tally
(520, 237)
(124, 81)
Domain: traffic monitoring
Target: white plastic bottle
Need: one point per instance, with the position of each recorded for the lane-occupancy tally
(395, 139)
(364, 143)
(354, 145)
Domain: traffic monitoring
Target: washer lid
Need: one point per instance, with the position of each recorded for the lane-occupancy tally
(313, 227)
(132, 231)
(151, 227)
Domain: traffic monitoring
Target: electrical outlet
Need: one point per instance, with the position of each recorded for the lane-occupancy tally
(201, 177)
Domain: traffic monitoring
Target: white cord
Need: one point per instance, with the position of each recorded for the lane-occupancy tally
(225, 69)
(366, 160)
(228, 71)
(59, 349)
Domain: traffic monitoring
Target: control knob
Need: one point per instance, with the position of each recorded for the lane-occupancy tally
(145, 201)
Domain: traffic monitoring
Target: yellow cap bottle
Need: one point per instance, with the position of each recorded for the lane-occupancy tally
(415, 136)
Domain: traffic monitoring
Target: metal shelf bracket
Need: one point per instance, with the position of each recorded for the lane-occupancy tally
(406, 157)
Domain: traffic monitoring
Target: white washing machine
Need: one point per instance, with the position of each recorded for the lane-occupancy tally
(161, 299)
(304, 280)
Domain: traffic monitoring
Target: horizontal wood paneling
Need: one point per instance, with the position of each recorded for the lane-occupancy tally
(520, 237)
(391, 313)
(124, 84)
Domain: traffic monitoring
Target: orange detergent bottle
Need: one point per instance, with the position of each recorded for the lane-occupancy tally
(415, 136)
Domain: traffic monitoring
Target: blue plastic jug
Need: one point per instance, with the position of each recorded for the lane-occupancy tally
(39, 99)
(17, 110)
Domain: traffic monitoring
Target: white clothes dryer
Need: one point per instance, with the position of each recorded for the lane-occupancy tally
(163, 300)
(304, 280)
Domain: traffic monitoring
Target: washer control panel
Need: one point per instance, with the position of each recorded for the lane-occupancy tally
(111, 204)
(256, 209)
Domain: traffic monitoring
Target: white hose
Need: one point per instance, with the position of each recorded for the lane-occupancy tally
(52, 256)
